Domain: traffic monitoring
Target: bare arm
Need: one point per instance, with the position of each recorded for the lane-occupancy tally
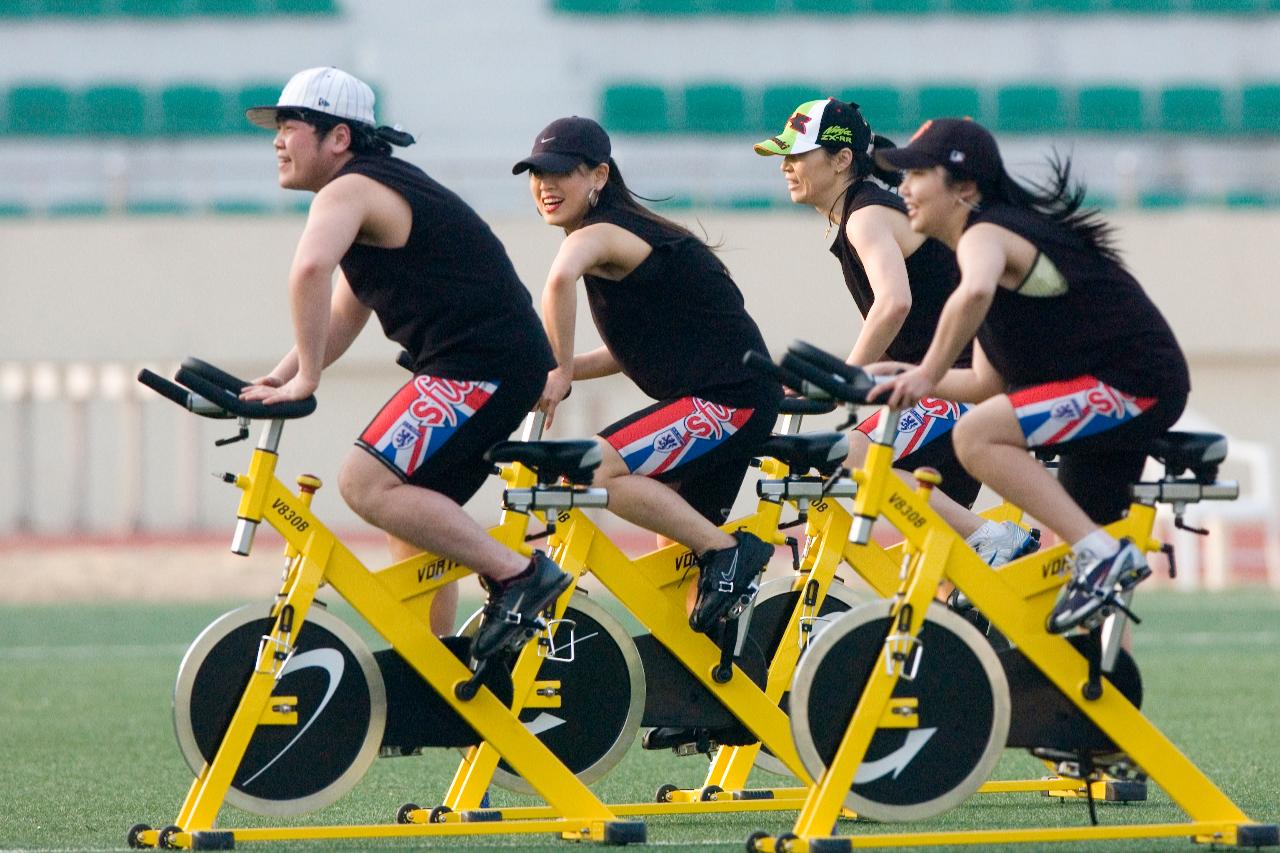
(580, 252)
(592, 365)
(871, 235)
(971, 384)
(982, 258)
(332, 226)
(347, 317)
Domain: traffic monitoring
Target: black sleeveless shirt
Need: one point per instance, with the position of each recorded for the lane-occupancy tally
(931, 272)
(1091, 317)
(677, 324)
(450, 295)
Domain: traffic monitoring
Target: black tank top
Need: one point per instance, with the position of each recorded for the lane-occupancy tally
(931, 272)
(1082, 313)
(677, 325)
(450, 295)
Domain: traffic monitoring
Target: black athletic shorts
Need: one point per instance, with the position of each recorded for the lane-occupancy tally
(700, 448)
(434, 432)
(924, 441)
(1102, 436)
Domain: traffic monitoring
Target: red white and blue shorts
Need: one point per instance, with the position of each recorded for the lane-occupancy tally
(924, 440)
(1101, 433)
(699, 447)
(434, 431)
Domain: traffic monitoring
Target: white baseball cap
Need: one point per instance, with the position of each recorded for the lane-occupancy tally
(323, 90)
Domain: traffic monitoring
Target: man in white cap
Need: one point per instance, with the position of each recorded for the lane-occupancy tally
(410, 251)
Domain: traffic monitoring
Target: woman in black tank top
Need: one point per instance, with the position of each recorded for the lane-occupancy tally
(899, 280)
(1071, 353)
(674, 322)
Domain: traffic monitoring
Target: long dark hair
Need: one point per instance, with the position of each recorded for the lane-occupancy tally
(617, 195)
(865, 165)
(366, 140)
(1058, 199)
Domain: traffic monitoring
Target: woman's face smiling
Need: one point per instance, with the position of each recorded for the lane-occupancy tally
(563, 198)
(933, 206)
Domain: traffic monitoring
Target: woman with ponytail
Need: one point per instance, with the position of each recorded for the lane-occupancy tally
(899, 280)
(408, 250)
(1071, 354)
(674, 322)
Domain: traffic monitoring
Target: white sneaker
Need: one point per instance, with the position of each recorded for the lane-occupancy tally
(997, 544)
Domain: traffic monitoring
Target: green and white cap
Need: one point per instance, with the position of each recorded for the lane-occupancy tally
(826, 123)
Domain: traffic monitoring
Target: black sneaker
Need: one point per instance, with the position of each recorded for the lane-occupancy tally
(728, 580)
(513, 613)
(1085, 599)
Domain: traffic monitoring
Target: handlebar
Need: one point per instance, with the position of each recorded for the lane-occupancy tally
(814, 402)
(211, 392)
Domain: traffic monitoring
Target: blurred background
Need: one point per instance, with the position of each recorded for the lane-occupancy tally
(141, 222)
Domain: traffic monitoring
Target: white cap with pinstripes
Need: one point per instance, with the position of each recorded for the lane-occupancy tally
(323, 90)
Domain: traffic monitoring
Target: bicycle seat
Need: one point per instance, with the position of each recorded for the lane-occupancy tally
(573, 460)
(805, 406)
(822, 450)
(1200, 452)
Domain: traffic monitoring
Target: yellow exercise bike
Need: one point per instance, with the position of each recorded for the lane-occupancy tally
(936, 705)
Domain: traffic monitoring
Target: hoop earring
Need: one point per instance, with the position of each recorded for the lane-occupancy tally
(593, 196)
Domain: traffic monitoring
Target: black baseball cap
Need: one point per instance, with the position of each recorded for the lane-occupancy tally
(964, 147)
(564, 144)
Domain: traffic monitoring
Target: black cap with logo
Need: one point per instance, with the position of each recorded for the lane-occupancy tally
(964, 147)
(564, 144)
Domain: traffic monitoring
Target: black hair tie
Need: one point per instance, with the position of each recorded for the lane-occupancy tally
(395, 136)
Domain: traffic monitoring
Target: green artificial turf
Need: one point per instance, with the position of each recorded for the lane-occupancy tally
(87, 745)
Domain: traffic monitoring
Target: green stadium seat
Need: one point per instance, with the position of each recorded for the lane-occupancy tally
(588, 7)
(984, 7)
(40, 110)
(1064, 7)
(18, 8)
(74, 8)
(715, 108)
(1141, 7)
(253, 95)
(779, 102)
(86, 207)
(1030, 108)
(230, 8)
(1192, 109)
(305, 7)
(154, 8)
(665, 7)
(741, 7)
(239, 207)
(1247, 199)
(1164, 199)
(903, 7)
(635, 108)
(157, 207)
(113, 110)
(949, 101)
(193, 110)
(824, 7)
(1109, 109)
(1225, 7)
(1260, 108)
(14, 209)
(881, 106)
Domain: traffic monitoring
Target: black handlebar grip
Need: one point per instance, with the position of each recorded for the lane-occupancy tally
(165, 388)
(217, 376)
(764, 365)
(231, 402)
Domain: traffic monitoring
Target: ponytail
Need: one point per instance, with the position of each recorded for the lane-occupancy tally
(890, 177)
(1059, 200)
